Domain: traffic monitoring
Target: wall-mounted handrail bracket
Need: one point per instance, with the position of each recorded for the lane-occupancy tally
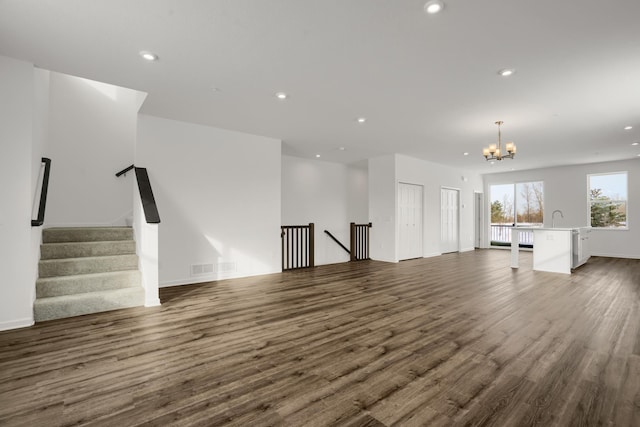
(124, 171)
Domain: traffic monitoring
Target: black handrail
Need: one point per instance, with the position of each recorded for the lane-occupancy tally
(146, 195)
(43, 194)
(125, 170)
(337, 241)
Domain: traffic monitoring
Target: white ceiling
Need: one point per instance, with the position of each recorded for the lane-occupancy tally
(427, 84)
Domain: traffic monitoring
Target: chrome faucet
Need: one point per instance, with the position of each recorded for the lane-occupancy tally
(553, 217)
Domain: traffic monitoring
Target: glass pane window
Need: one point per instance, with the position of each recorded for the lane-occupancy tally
(515, 205)
(608, 200)
(530, 204)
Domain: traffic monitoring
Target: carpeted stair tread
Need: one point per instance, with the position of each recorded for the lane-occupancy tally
(87, 265)
(86, 249)
(86, 234)
(83, 283)
(87, 303)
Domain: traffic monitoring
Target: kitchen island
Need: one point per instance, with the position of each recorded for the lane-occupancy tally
(556, 250)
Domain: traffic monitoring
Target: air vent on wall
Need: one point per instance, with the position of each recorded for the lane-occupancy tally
(226, 267)
(200, 269)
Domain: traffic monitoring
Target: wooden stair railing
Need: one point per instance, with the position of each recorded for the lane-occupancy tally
(297, 246)
(360, 238)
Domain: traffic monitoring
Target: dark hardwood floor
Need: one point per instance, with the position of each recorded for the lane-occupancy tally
(459, 339)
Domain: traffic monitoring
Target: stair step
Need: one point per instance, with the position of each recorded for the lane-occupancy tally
(86, 234)
(87, 303)
(87, 265)
(82, 283)
(86, 249)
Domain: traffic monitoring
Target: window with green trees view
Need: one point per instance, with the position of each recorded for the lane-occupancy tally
(608, 200)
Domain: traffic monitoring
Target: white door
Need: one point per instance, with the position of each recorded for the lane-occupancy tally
(449, 224)
(409, 221)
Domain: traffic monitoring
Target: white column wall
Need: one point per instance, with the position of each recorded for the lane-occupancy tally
(382, 208)
(433, 177)
(16, 190)
(219, 198)
(331, 195)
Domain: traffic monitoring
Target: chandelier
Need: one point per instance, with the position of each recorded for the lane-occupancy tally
(494, 152)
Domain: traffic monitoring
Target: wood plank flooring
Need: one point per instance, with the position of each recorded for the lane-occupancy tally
(455, 340)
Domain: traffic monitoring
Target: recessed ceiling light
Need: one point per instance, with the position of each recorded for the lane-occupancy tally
(628, 127)
(281, 95)
(361, 119)
(635, 143)
(148, 55)
(215, 89)
(433, 6)
(317, 155)
(465, 153)
(341, 148)
(506, 72)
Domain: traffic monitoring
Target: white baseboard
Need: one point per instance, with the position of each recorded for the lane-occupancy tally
(431, 255)
(467, 249)
(605, 255)
(15, 324)
(210, 278)
(153, 302)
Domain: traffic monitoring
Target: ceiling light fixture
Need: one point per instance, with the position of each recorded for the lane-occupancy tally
(494, 152)
(506, 72)
(465, 154)
(317, 155)
(635, 143)
(281, 95)
(148, 55)
(433, 6)
(361, 119)
(628, 127)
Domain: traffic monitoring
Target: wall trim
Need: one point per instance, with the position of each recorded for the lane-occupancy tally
(15, 324)
(431, 255)
(467, 249)
(605, 255)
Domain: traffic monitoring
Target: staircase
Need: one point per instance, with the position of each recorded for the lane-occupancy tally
(86, 270)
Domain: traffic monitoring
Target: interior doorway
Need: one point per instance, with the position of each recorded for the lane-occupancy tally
(409, 221)
(478, 214)
(449, 220)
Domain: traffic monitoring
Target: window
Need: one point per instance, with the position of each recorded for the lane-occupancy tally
(514, 205)
(608, 200)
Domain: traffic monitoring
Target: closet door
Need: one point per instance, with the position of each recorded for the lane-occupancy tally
(409, 221)
(449, 220)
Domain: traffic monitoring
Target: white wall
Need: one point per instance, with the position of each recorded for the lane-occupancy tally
(16, 134)
(565, 188)
(382, 208)
(218, 196)
(433, 177)
(92, 131)
(330, 195)
(386, 172)
(38, 148)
